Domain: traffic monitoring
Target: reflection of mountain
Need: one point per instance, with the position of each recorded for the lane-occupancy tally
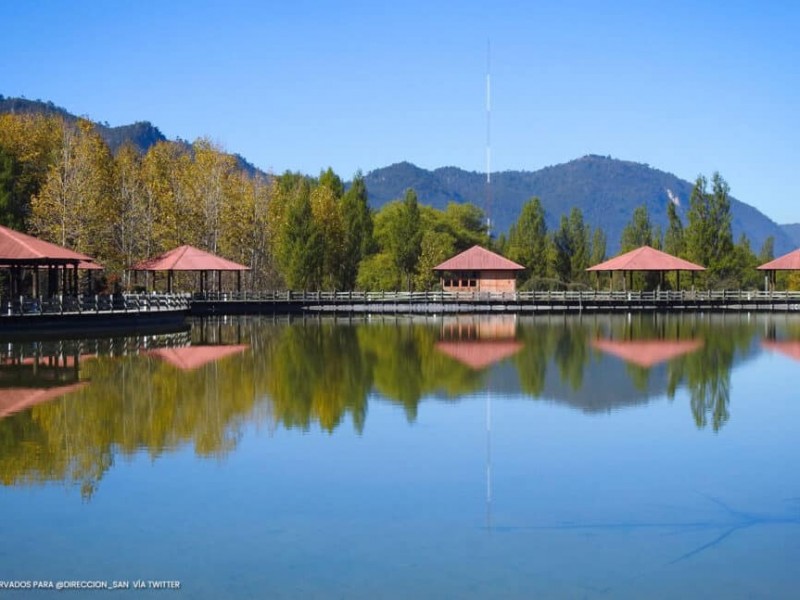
(321, 373)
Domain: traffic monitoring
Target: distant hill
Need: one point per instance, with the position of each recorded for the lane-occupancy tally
(141, 134)
(607, 191)
(793, 231)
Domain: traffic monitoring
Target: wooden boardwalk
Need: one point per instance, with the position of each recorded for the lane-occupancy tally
(93, 312)
(477, 302)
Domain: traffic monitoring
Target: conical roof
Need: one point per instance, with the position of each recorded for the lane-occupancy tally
(646, 259)
(787, 262)
(188, 258)
(478, 259)
(19, 247)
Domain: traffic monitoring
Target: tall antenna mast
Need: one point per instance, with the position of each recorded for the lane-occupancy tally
(488, 207)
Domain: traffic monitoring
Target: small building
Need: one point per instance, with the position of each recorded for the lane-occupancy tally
(478, 270)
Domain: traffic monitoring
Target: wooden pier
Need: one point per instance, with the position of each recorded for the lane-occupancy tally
(547, 302)
(93, 313)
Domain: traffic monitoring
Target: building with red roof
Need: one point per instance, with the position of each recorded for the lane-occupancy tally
(25, 256)
(787, 262)
(646, 259)
(189, 258)
(478, 270)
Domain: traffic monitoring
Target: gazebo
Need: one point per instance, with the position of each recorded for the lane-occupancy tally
(19, 252)
(787, 262)
(189, 258)
(478, 270)
(646, 258)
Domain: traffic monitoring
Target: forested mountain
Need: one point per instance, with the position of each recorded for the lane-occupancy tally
(793, 231)
(606, 190)
(142, 134)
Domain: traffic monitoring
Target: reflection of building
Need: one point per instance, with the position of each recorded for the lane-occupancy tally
(26, 382)
(478, 270)
(479, 342)
(790, 349)
(194, 357)
(647, 353)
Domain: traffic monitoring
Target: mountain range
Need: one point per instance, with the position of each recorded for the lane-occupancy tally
(607, 190)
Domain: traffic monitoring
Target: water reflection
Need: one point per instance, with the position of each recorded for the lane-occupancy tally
(68, 410)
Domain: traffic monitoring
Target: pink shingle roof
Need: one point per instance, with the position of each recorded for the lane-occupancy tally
(188, 258)
(646, 259)
(19, 247)
(478, 259)
(787, 262)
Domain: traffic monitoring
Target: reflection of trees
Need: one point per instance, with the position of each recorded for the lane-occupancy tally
(706, 371)
(132, 403)
(318, 372)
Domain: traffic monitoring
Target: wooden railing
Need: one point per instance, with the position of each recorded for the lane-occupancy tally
(554, 297)
(98, 304)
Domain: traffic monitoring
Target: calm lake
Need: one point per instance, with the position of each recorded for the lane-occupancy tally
(634, 456)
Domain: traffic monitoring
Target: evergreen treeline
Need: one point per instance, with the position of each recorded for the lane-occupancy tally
(60, 181)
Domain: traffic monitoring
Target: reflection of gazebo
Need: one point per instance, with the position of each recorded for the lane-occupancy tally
(479, 343)
(647, 259)
(647, 353)
(17, 399)
(787, 348)
(189, 258)
(787, 262)
(19, 252)
(190, 358)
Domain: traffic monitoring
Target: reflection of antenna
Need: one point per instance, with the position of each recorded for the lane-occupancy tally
(489, 457)
(488, 207)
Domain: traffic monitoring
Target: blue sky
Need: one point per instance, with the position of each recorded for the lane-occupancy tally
(686, 87)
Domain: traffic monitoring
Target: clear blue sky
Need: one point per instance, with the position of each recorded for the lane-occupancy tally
(687, 87)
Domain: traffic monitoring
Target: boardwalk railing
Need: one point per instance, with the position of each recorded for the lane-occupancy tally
(94, 304)
(430, 302)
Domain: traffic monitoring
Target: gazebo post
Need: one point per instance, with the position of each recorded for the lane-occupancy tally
(219, 281)
(678, 277)
(239, 281)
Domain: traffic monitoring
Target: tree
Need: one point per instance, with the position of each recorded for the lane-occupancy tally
(673, 238)
(598, 246)
(527, 239)
(405, 236)
(12, 207)
(709, 239)
(73, 207)
(358, 231)
(301, 245)
(581, 249)
(638, 232)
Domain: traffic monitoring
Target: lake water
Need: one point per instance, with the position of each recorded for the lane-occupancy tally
(560, 457)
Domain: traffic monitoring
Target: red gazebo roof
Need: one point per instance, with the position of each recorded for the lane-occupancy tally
(188, 258)
(787, 262)
(647, 353)
(646, 259)
(16, 247)
(478, 259)
(479, 355)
